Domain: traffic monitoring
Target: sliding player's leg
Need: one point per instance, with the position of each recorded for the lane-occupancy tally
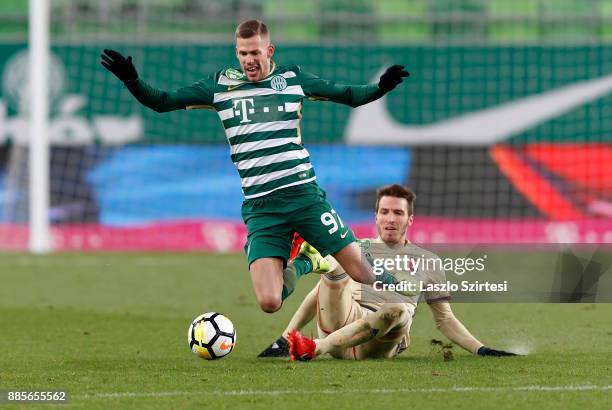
(388, 332)
(335, 308)
(335, 304)
(308, 308)
(375, 335)
(380, 334)
(305, 313)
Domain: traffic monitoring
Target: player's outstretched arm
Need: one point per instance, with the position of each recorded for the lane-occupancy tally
(452, 328)
(392, 77)
(122, 67)
(197, 94)
(317, 88)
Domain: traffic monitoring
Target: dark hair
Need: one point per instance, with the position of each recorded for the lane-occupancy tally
(251, 28)
(397, 191)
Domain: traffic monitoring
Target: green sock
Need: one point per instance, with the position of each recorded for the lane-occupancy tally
(302, 265)
(299, 267)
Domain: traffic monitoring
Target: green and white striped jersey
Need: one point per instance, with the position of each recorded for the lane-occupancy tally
(261, 119)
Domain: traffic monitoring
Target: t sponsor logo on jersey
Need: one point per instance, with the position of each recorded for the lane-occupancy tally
(278, 83)
(234, 74)
(242, 108)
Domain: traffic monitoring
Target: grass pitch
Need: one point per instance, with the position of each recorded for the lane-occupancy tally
(111, 330)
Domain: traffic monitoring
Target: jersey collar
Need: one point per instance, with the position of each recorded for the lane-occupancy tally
(272, 69)
(244, 79)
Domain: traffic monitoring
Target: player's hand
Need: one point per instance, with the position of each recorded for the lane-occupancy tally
(392, 77)
(486, 351)
(119, 65)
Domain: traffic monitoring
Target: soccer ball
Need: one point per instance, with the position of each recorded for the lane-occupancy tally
(211, 336)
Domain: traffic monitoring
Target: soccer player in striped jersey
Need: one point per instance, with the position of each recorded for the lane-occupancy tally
(259, 105)
(355, 321)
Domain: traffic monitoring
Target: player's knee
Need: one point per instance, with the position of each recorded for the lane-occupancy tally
(270, 304)
(393, 313)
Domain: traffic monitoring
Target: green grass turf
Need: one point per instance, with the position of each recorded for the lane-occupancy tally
(111, 330)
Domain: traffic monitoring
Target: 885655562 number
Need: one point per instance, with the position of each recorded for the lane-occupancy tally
(52, 396)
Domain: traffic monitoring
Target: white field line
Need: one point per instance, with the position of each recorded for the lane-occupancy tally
(342, 391)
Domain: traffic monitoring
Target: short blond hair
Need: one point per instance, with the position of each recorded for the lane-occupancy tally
(251, 28)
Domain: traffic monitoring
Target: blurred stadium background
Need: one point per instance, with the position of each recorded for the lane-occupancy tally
(504, 129)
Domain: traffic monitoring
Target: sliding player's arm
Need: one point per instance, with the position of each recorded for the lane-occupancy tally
(197, 95)
(448, 324)
(316, 88)
(451, 327)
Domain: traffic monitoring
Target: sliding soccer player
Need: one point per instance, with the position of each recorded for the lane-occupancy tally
(357, 322)
(260, 106)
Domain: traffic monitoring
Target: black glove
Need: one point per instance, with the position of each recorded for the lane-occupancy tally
(485, 351)
(120, 66)
(392, 77)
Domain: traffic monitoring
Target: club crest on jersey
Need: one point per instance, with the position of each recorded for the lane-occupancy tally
(234, 74)
(278, 83)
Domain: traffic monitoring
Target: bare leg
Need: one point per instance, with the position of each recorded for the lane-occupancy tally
(350, 259)
(267, 279)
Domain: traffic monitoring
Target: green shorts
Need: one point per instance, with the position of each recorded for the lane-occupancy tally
(272, 220)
